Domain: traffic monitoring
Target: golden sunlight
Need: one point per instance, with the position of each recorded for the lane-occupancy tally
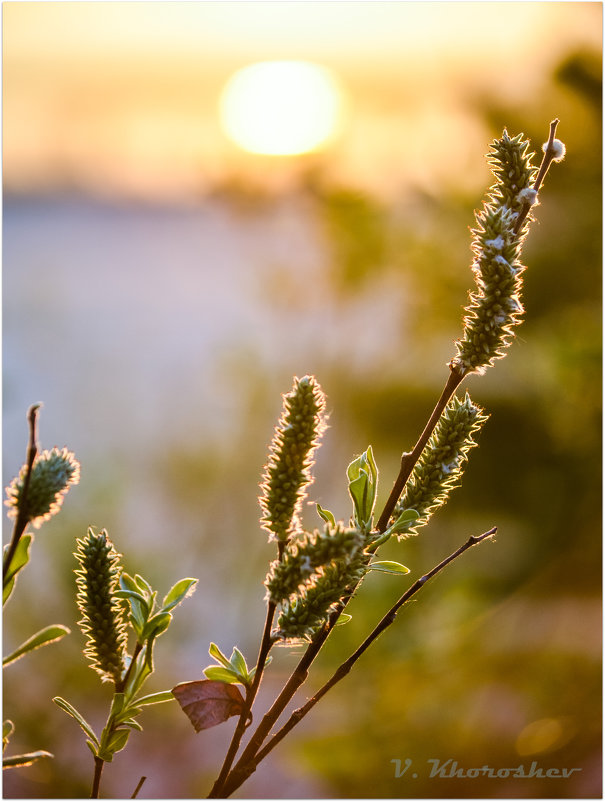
(282, 108)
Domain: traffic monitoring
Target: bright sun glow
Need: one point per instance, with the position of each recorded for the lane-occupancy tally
(282, 108)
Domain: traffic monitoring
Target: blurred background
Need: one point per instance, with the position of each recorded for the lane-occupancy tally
(181, 238)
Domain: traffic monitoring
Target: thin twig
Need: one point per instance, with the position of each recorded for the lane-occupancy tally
(22, 520)
(299, 675)
(243, 721)
(409, 460)
(549, 155)
(243, 768)
(253, 752)
(263, 652)
(119, 686)
(385, 622)
(138, 788)
(344, 669)
(96, 782)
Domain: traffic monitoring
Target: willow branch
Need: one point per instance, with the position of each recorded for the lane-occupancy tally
(346, 667)
(242, 768)
(245, 765)
(409, 459)
(119, 686)
(550, 154)
(96, 782)
(21, 520)
(263, 652)
(135, 793)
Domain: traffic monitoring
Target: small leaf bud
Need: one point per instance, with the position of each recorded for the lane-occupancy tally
(558, 148)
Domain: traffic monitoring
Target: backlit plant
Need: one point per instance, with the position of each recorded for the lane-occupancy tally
(34, 496)
(315, 572)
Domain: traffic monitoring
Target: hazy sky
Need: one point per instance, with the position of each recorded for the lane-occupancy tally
(123, 96)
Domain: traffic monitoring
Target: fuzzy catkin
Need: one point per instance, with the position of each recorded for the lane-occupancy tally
(442, 462)
(303, 557)
(304, 614)
(53, 473)
(495, 306)
(288, 470)
(103, 622)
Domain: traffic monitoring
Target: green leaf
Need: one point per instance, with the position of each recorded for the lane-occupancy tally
(71, 711)
(139, 673)
(238, 661)
(353, 469)
(132, 594)
(9, 585)
(155, 698)
(402, 523)
(326, 515)
(215, 652)
(363, 483)
(139, 605)
(343, 618)
(19, 561)
(130, 722)
(117, 705)
(358, 489)
(137, 622)
(24, 760)
(45, 636)
(222, 674)
(127, 714)
(129, 711)
(127, 582)
(389, 567)
(371, 462)
(156, 625)
(148, 651)
(178, 592)
(143, 585)
(92, 748)
(116, 742)
(366, 464)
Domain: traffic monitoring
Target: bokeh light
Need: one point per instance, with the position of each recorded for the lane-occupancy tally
(282, 108)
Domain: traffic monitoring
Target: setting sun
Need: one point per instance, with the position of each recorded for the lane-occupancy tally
(282, 108)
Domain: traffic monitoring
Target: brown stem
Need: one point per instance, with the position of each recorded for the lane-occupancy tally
(22, 520)
(253, 752)
(243, 722)
(119, 686)
(409, 459)
(135, 793)
(245, 766)
(344, 669)
(549, 154)
(94, 794)
(264, 649)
